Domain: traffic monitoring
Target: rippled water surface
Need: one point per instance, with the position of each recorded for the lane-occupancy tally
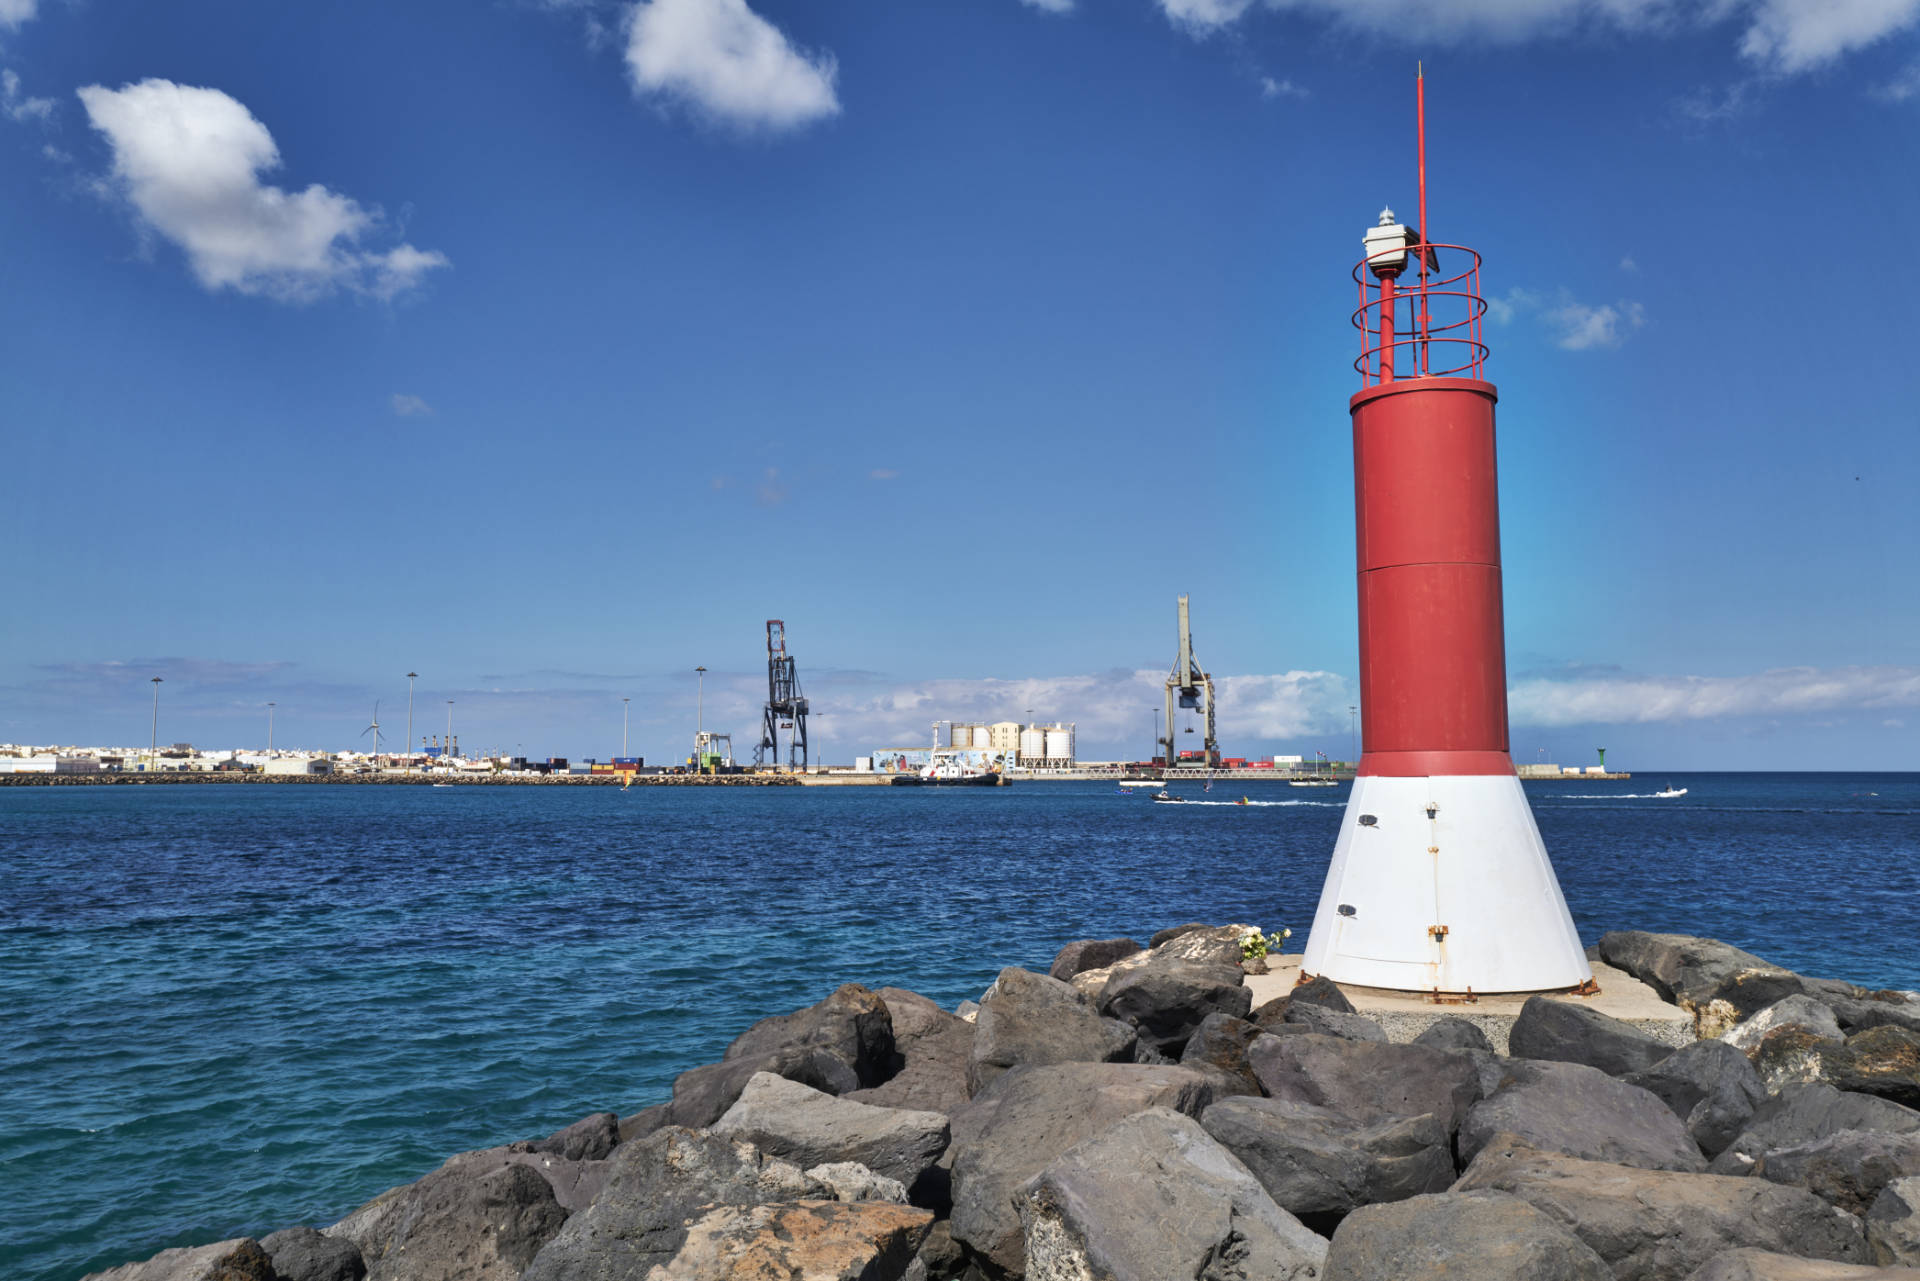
(227, 1009)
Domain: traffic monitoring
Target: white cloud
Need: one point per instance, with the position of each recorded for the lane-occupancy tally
(1627, 700)
(1627, 264)
(17, 105)
(411, 406)
(1576, 326)
(770, 492)
(1200, 17)
(15, 12)
(1778, 35)
(1796, 35)
(884, 473)
(188, 160)
(1271, 88)
(1050, 6)
(1902, 88)
(728, 63)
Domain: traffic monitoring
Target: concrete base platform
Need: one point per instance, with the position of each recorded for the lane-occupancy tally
(1406, 1015)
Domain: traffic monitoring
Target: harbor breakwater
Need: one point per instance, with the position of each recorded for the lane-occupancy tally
(1131, 1114)
(109, 779)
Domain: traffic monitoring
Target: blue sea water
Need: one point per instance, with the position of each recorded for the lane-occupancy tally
(227, 1009)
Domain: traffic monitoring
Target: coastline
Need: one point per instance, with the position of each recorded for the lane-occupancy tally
(1133, 1113)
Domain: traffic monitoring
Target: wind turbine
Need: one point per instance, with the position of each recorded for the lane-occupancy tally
(374, 729)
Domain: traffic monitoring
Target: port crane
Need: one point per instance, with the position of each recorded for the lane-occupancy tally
(1191, 687)
(786, 706)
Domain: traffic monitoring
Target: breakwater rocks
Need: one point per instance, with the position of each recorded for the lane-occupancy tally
(1132, 1116)
(184, 777)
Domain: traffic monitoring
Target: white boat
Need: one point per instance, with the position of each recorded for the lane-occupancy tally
(1139, 782)
(1671, 792)
(1315, 779)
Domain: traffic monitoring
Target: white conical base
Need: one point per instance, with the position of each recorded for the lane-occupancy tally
(1476, 865)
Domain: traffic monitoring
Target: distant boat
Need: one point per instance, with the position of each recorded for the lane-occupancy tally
(1140, 782)
(1315, 779)
(1164, 797)
(1671, 792)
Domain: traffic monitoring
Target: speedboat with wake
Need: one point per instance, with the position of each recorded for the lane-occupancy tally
(1671, 792)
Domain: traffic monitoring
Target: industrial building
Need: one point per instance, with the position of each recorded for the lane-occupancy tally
(1025, 747)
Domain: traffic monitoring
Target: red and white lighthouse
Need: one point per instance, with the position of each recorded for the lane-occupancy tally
(1439, 881)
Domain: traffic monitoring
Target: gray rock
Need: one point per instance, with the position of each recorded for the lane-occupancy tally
(934, 1078)
(915, 1017)
(1151, 1198)
(1893, 1224)
(1220, 1043)
(837, 1046)
(307, 1254)
(1460, 1236)
(802, 1240)
(657, 1188)
(591, 1138)
(967, 1010)
(1323, 991)
(1875, 1009)
(1214, 945)
(1454, 1034)
(574, 1183)
(851, 1181)
(240, 1259)
(1847, 1169)
(1089, 954)
(1803, 1113)
(1174, 932)
(1365, 1080)
(1319, 1165)
(1710, 1086)
(1028, 1118)
(1032, 1019)
(1167, 999)
(1882, 1061)
(1563, 1031)
(473, 1219)
(1330, 1022)
(785, 1119)
(1794, 1011)
(852, 1024)
(1660, 1225)
(1791, 1055)
(1765, 1265)
(1580, 1111)
(1680, 967)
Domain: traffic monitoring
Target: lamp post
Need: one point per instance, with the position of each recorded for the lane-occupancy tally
(410, 679)
(700, 703)
(623, 725)
(269, 729)
(153, 747)
(447, 751)
(1156, 733)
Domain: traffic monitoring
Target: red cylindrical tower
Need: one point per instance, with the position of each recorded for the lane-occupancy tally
(1433, 688)
(1439, 879)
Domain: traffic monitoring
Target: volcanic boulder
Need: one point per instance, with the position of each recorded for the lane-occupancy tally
(788, 1120)
(1153, 1197)
(1032, 1019)
(1582, 1112)
(1660, 1225)
(1475, 1236)
(1565, 1032)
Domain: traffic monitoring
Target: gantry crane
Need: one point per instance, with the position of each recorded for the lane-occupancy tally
(1191, 686)
(786, 706)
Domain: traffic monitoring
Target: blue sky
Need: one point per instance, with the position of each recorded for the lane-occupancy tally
(548, 349)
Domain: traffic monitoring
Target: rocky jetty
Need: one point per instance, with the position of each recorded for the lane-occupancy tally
(1130, 1116)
